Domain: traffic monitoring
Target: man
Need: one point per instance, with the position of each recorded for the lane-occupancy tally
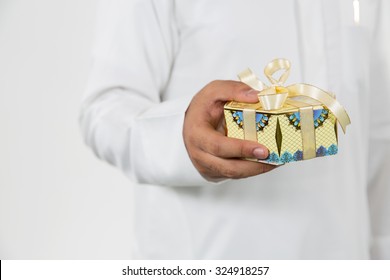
(162, 70)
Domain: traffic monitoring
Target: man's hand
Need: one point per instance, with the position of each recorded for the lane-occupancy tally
(212, 153)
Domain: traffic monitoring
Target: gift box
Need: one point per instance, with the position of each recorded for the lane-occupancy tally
(295, 122)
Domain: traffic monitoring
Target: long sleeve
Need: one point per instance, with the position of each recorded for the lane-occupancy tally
(124, 117)
(379, 145)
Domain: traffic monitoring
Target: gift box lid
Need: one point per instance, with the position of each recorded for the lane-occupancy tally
(287, 108)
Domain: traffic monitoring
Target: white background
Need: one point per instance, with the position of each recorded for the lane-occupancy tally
(57, 200)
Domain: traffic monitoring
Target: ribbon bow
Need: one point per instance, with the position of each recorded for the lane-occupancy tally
(275, 96)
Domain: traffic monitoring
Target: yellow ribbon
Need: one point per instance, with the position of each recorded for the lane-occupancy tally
(274, 97)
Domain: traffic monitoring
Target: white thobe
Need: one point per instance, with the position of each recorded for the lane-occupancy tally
(152, 56)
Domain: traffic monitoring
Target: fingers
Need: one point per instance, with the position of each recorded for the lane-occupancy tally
(214, 168)
(214, 155)
(208, 103)
(219, 145)
(217, 156)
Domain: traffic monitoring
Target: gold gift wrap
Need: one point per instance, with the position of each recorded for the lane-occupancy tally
(296, 122)
(280, 130)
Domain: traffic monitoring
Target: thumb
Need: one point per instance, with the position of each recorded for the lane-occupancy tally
(234, 91)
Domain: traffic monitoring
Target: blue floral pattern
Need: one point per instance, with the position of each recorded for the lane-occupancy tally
(298, 155)
(321, 151)
(332, 150)
(286, 157)
(261, 119)
(319, 117)
(273, 157)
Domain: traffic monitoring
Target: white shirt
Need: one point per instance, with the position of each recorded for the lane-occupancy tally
(152, 56)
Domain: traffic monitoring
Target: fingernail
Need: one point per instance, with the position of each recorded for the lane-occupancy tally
(252, 92)
(260, 153)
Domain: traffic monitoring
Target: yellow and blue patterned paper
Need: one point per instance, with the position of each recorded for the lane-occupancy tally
(280, 131)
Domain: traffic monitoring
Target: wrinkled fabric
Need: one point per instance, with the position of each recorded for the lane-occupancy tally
(152, 56)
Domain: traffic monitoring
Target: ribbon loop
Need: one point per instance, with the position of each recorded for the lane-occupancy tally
(249, 78)
(273, 67)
